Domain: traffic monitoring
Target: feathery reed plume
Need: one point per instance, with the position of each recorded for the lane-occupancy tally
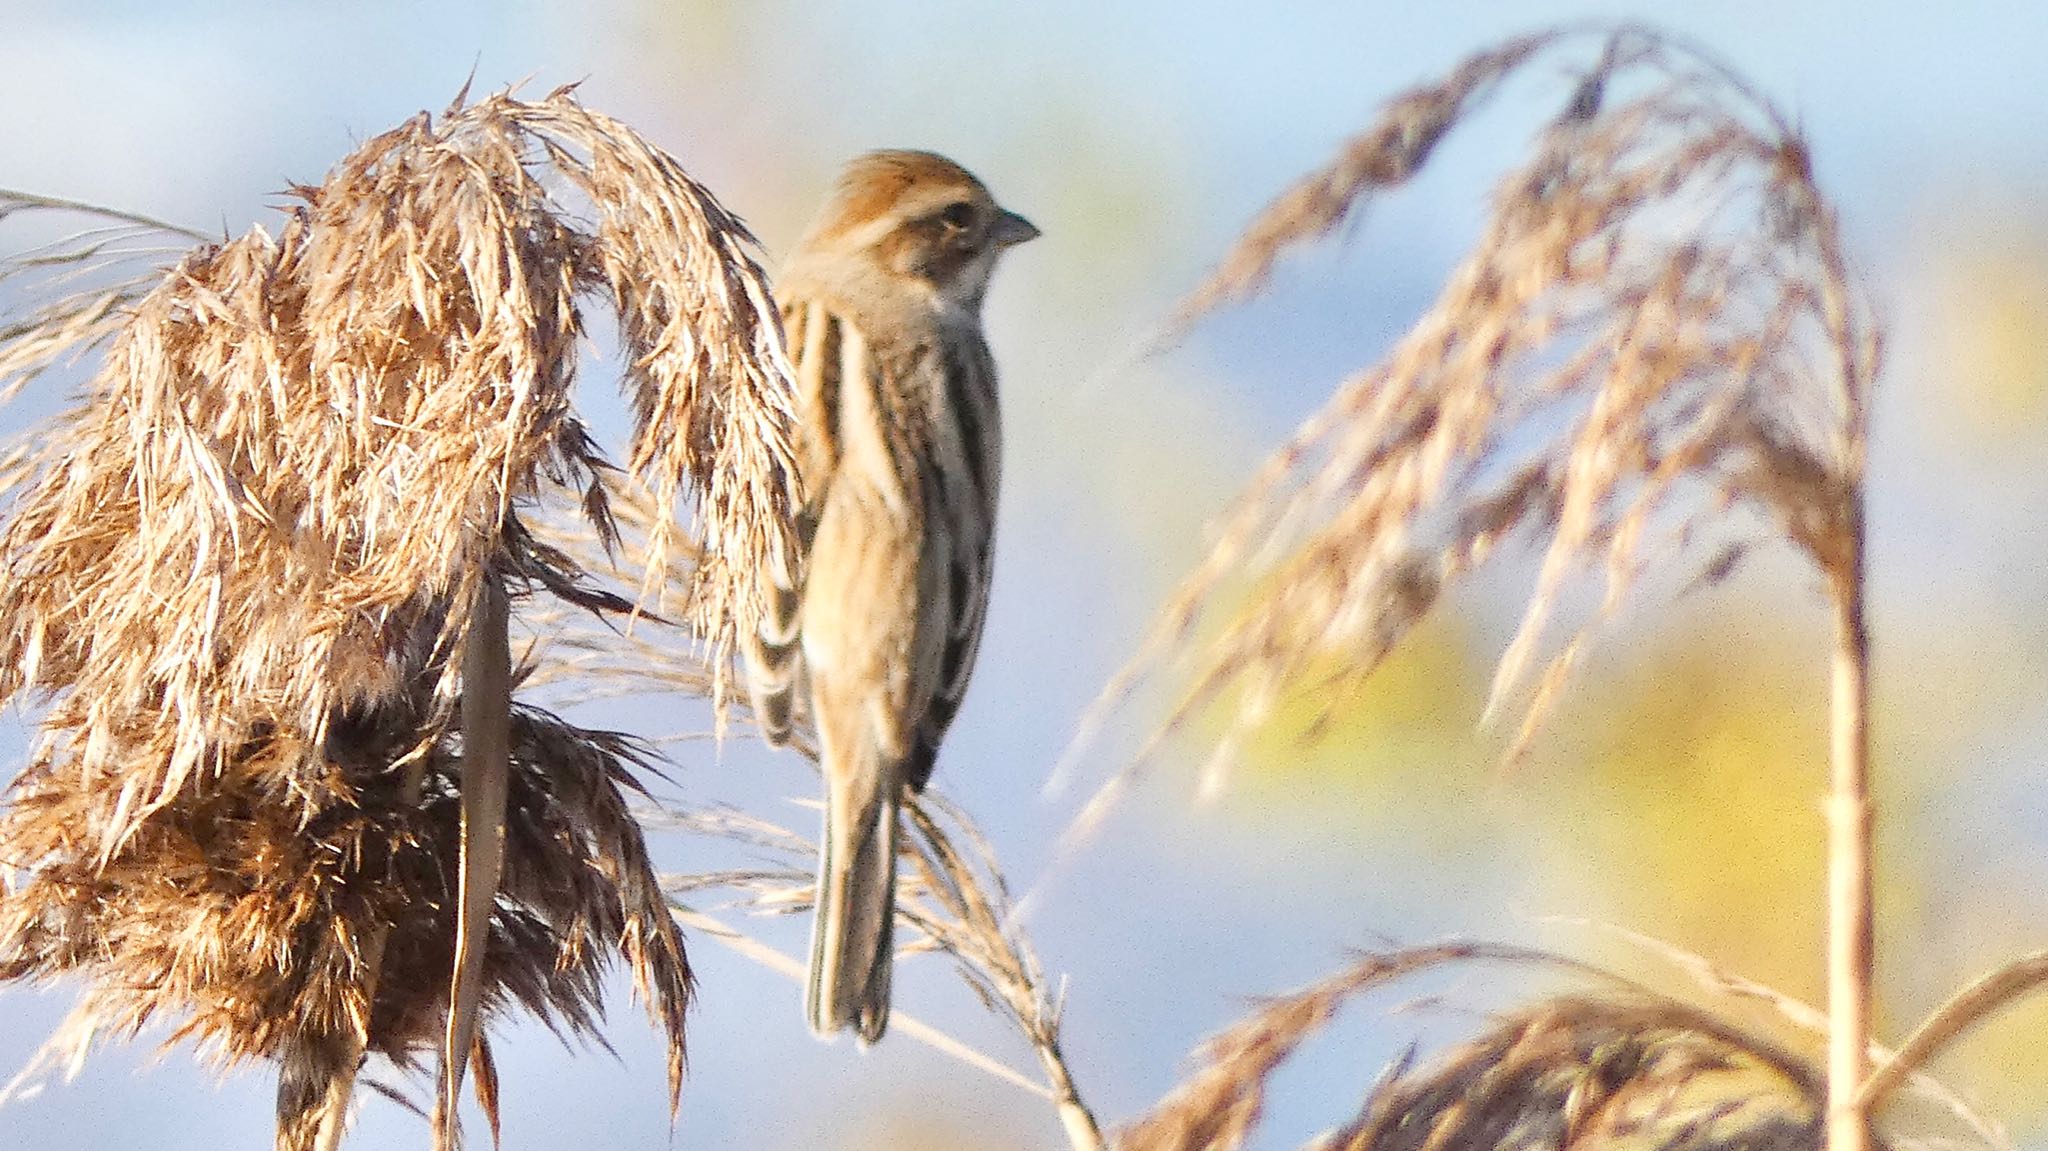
(1216, 1107)
(1657, 311)
(243, 573)
(253, 933)
(1899, 1072)
(1656, 323)
(1577, 1072)
(1614, 1065)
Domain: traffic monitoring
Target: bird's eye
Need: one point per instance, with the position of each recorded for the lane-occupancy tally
(957, 216)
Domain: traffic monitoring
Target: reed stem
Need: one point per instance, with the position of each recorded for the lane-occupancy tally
(1850, 933)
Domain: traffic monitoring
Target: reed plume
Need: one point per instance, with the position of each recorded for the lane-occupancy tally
(243, 573)
(953, 900)
(1607, 1063)
(1656, 324)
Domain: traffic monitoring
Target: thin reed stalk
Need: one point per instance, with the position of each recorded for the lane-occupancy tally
(1968, 1007)
(1852, 853)
(1851, 928)
(486, 783)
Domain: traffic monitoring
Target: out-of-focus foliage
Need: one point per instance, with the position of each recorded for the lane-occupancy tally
(1675, 797)
(1689, 807)
(1990, 331)
(1399, 755)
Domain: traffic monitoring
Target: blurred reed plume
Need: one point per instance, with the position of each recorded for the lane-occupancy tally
(1657, 323)
(261, 575)
(1580, 1072)
(1613, 1064)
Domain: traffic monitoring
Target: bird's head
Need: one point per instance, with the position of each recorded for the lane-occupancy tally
(918, 216)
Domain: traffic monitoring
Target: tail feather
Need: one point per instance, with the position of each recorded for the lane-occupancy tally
(852, 935)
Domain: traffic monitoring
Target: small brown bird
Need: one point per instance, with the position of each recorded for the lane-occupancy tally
(900, 447)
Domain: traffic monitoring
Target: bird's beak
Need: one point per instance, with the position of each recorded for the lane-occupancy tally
(1011, 229)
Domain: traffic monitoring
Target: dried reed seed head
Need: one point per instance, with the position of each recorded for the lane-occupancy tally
(1385, 155)
(1656, 322)
(1216, 1107)
(239, 571)
(251, 932)
(1595, 1072)
(1623, 1066)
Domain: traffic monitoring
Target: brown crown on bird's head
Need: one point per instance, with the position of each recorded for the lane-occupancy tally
(918, 214)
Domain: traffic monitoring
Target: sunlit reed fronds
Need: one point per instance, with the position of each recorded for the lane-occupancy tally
(1586, 1072)
(580, 656)
(242, 570)
(250, 932)
(1216, 1107)
(1899, 1074)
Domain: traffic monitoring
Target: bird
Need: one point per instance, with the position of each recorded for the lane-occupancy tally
(898, 456)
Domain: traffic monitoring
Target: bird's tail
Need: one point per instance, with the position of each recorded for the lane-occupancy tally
(851, 937)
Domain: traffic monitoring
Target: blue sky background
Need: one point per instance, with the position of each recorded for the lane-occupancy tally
(1140, 135)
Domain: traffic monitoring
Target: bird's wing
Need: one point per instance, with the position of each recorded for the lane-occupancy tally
(967, 461)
